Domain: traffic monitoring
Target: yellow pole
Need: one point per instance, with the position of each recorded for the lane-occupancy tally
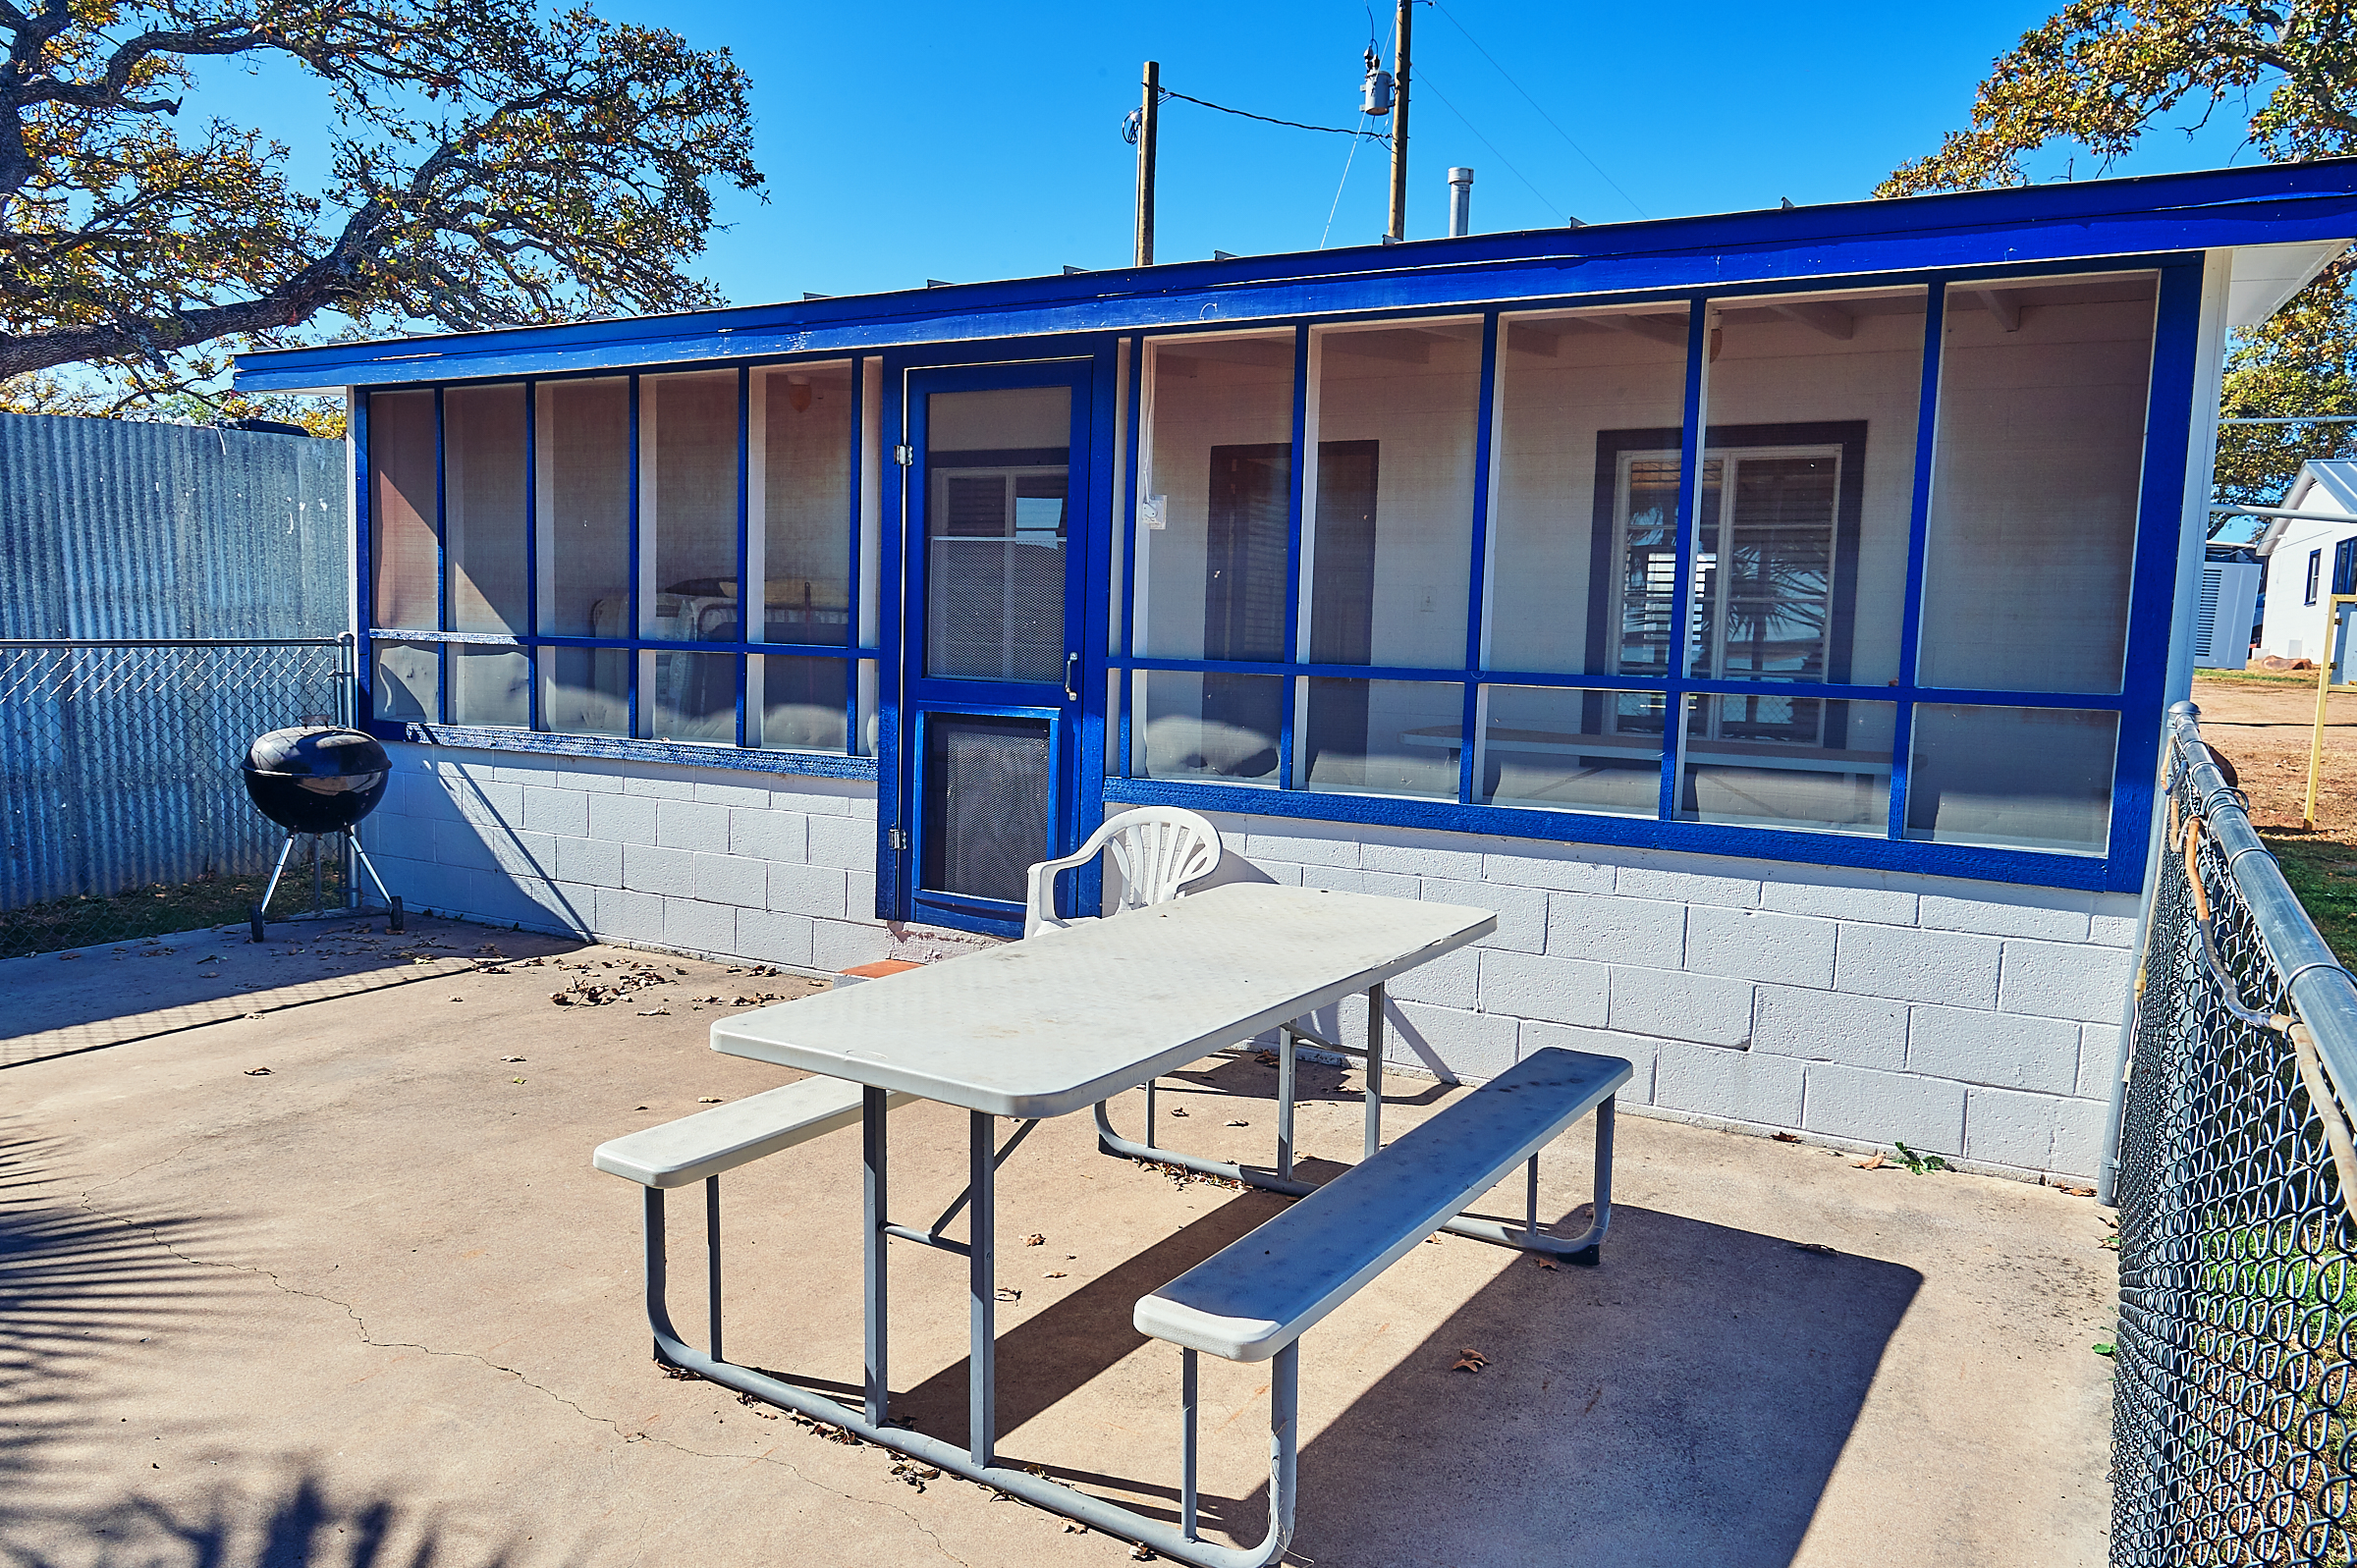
(2316, 742)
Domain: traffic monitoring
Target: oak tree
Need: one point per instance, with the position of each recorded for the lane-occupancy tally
(487, 162)
(2102, 75)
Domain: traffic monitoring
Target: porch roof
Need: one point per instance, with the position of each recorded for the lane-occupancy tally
(2285, 221)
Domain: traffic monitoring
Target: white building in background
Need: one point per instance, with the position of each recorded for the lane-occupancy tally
(2306, 556)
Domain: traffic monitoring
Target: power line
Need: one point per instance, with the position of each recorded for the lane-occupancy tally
(1535, 104)
(1425, 78)
(1338, 130)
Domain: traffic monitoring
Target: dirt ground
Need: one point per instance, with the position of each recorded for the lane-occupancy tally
(2264, 724)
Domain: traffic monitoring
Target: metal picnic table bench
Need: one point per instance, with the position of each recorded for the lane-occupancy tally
(1063, 1021)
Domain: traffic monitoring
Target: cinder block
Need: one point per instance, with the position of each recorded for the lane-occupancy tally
(774, 938)
(1638, 1052)
(1471, 1045)
(557, 811)
(1556, 873)
(2008, 1128)
(754, 793)
(2112, 931)
(2079, 1128)
(1307, 843)
(733, 880)
(568, 904)
(837, 945)
(1831, 901)
(692, 824)
(859, 895)
(1829, 1026)
(1740, 1085)
(588, 776)
(667, 785)
(813, 890)
(1687, 887)
(843, 843)
(1707, 1009)
(1449, 981)
(699, 927)
(621, 819)
(490, 801)
(463, 844)
(1749, 945)
(589, 860)
(2098, 1060)
(2066, 981)
(1335, 879)
(669, 872)
(2053, 914)
(1390, 884)
(629, 916)
(2011, 1050)
(525, 855)
(814, 802)
(391, 834)
(1422, 860)
(1842, 1101)
(1946, 967)
(767, 834)
(1564, 991)
(1608, 928)
(1521, 911)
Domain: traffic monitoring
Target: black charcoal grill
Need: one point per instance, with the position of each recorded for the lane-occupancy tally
(321, 781)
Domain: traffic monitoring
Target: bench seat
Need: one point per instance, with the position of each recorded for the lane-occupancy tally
(688, 1150)
(1260, 1293)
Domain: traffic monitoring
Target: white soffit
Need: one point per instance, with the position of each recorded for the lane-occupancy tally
(2265, 276)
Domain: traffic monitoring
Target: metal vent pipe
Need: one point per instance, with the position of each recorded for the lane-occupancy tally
(1461, 202)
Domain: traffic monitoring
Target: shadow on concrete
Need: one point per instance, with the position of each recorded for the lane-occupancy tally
(295, 1523)
(105, 996)
(1684, 1403)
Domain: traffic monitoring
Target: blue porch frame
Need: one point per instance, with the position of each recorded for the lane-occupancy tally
(2172, 226)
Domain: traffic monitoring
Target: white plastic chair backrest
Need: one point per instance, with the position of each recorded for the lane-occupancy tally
(1158, 849)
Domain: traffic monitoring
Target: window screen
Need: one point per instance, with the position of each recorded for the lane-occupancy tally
(987, 790)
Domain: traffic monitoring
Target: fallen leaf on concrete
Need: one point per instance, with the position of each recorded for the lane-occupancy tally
(488, 951)
(709, 1099)
(515, 1080)
(1875, 1164)
(64, 956)
(654, 1012)
(1817, 1247)
(1546, 1262)
(1005, 1294)
(1266, 1059)
(1035, 1239)
(1143, 1554)
(257, 1072)
(2080, 1192)
(1470, 1360)
(1053, 1273)
(458, 998)
(1240, 1125)
(1177, 1111)
(510, 1058)
(1074, 1527)
(643, 1108)
(1786, 1137)
(2102, 1347)
(208, 974)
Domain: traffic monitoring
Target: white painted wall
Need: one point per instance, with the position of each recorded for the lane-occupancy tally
(2294, 628)
(1975, 1020)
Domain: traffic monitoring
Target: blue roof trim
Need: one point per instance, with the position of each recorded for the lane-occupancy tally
(2154, 215)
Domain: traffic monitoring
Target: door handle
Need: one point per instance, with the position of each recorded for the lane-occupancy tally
(1072, 694)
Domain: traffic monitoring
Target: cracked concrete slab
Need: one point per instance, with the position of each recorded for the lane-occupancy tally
(373, 1307)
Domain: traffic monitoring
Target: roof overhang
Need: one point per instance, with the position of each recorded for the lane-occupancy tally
(2289, 220)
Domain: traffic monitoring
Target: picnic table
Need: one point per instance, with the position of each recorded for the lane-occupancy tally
(1062, 1022)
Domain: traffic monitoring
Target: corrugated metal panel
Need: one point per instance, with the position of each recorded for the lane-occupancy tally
(118, 767)
(110, 528)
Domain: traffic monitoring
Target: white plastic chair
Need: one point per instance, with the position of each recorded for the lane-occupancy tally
(1159, 849)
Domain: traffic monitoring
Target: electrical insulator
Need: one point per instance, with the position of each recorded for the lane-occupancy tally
(1376, 97)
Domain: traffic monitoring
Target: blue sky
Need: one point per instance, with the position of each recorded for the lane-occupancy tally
(956, 142)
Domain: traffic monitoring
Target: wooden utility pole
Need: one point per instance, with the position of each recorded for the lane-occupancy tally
(1405, 21)
(1149, 118)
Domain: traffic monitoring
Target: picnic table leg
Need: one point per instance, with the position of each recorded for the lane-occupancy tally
(712, 1259)
(1285, 1105)
(1187, 1401)
(1374, 1070)
(871, 1147)
(982, 1406)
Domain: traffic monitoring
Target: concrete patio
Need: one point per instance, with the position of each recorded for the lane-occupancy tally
(374, 1306)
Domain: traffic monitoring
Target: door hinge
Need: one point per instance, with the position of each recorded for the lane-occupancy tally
(905, 455)
(896, 838)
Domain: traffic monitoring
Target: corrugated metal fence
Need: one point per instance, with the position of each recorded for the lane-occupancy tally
(166, 593)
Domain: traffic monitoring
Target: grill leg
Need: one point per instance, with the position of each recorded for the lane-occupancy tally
(261, 910)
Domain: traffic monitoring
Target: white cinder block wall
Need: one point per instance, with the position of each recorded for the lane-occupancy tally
(1966, 1019)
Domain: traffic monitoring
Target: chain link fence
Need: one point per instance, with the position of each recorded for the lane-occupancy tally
(121, 807)
(2234, 1427)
